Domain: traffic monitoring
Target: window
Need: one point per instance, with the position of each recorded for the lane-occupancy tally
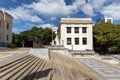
(68, 29)
(0, 36)
(7, 25)
(76, 29)
(7, 38)
(84, 30)
(0, 23)
(76, 41)
(55, 42)
(68, 41)
(109, 21)
(84, 41)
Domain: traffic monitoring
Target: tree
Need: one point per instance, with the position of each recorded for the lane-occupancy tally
(26, 37)
(47, 36)
(16, 39)
(106, 37)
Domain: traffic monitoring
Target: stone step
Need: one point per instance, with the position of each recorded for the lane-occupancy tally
(26, 68)
(5, 67)
(31, 76)
(45, 73)
(13, 68)
(37, 75)
(28, 72)
(12, 71)
(9, 60)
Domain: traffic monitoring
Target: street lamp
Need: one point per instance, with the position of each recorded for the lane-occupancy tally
(52, 18)
(52, 36)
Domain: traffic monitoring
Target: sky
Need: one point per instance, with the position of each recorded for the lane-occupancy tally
(47, 13)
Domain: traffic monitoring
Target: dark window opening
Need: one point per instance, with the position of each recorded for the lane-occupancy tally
(76, 41)
(109, 21)
(76, 29)
(84, 41)
(68, 29)
(84, 30)
(0, 23)
(7, 25)
(7, 37)
(68, 41)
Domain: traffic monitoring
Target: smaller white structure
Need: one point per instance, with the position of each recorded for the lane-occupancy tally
(105, 20)
(56, 40)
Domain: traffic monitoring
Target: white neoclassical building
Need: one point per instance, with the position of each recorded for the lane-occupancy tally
(76, 33)
(5, 29)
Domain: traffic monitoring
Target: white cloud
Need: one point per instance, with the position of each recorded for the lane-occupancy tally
(17, 31)
(112, 10)
(23, 14)
(46, 25)
(50, 8)
(14, 1)
(41, 25)
(58, 8)
(54, 8)
(88, 9)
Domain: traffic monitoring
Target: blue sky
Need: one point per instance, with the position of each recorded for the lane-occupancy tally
(47, 13)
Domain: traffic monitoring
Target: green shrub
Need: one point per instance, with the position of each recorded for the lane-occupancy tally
(11, 46)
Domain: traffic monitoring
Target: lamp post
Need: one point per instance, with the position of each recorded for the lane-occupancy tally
(72, 47)
(52, 36)
(52, 18)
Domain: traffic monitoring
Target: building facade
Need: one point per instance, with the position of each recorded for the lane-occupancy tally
(5, 29)
(56, 40)
(105, 20)
(76, 33)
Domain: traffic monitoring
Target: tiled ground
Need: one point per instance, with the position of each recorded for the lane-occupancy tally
(104, 71)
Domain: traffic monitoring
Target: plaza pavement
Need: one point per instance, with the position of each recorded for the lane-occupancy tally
(104, 71)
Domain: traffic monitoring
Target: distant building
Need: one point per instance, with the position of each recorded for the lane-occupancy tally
(76, 33)
(105, 20)
(56, 40)
(5, 29)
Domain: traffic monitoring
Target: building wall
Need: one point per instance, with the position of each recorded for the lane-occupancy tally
(105, 20)
(80, 35)
(5, 19)
(56, 40)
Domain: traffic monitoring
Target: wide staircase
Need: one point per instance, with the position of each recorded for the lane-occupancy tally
(23, 67)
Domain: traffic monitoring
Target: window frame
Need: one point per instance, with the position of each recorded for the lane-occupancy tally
(8, 25)
(68, 29)
(7, 37)
(77, 39)
(76, 29)
(69, 43)
(84, 29)
(0, 23)
(84, 40)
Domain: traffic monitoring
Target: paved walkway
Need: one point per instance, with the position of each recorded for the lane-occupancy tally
(104, 71)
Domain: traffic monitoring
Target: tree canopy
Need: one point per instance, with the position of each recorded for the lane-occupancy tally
(26, 38)
(106, 37)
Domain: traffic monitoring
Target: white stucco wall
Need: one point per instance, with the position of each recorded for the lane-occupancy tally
(5, 18)
(54, 29)
(88, 35)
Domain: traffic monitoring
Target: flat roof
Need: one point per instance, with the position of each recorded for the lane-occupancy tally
(5, 13)
(76, 21)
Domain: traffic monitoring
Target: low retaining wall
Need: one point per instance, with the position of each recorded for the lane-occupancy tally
(40, 52)
(64, 52)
